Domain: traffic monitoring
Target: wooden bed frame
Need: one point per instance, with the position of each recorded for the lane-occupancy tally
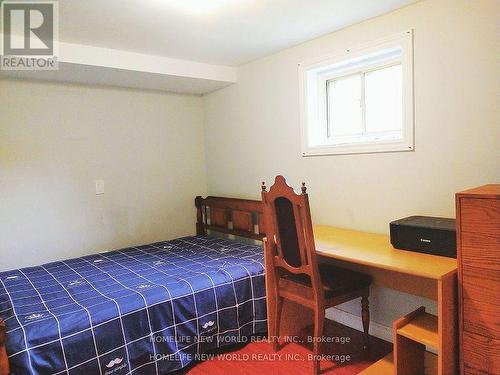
(239, 217)
(233, 216)
(4, 362)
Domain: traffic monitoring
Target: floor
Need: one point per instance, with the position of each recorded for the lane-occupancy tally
(346, 358)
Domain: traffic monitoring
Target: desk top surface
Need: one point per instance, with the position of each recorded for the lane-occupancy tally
(375, 250)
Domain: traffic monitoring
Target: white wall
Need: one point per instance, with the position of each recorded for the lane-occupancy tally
(253, 131)
(57, 139)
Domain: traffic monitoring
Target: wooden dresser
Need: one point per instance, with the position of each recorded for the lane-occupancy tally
(478, 242)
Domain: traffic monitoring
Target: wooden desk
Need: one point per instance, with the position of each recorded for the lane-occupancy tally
(422, 274)
(375, 250)
(425, 275)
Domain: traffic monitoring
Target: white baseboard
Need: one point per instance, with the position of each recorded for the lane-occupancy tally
(354, 321)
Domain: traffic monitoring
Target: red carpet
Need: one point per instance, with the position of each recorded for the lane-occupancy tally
(344, 356)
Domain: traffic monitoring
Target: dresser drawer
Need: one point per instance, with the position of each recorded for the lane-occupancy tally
(480, 215)
(470, 371)
(481, 317)
(481, 353)
(480, 250)
(482, 285)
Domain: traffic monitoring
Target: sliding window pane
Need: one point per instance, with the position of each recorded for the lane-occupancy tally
(384, 100)
(344, 109)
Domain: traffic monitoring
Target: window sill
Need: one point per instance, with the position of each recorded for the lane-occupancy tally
(357, 149)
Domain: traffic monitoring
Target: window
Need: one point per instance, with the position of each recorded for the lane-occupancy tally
(359, 101)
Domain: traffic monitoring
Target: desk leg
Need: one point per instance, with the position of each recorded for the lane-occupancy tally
(447, 325)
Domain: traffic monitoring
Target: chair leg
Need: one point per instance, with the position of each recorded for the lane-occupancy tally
(365, 317)
(277, 323)
(319, 321)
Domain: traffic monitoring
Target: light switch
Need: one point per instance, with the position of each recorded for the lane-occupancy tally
(99, 187)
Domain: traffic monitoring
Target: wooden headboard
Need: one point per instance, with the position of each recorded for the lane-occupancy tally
(240, 217)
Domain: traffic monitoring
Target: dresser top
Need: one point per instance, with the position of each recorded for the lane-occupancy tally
(485, 191)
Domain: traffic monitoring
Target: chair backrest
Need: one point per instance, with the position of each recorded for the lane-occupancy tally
(289, 233)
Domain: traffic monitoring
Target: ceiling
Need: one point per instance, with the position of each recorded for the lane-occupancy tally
(226, 32)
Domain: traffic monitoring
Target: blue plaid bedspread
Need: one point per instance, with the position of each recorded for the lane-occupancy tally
(150, 309)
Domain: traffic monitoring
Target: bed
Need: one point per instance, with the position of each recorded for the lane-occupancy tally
(149, 309)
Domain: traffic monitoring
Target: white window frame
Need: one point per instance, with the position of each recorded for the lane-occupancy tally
(313, 77)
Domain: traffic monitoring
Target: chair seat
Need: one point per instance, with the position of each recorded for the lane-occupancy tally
(336, 281)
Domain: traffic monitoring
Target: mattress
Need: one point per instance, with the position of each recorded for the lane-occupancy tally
(149, 309)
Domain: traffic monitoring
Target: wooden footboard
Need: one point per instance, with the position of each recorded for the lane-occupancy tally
(4, 363)
(239, 217)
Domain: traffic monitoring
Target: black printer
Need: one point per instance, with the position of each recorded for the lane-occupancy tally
(425, 234)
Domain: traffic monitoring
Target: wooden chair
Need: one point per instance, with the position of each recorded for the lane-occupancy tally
(292, 269)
